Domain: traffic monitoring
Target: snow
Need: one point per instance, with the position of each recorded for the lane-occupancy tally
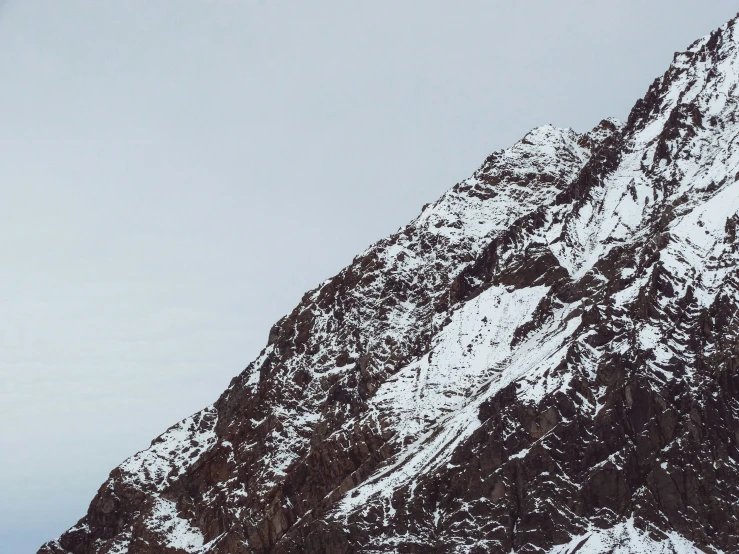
(176, 531)
(433, 402)
(616, 211)
(120, 543)
(172, 452)
(472, 353)
(626, 538)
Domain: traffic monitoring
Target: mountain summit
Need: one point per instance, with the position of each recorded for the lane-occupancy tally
(544, 361)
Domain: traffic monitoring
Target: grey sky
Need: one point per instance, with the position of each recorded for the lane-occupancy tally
(175, 174)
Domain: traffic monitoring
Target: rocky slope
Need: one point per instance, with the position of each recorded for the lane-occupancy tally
(544, 361)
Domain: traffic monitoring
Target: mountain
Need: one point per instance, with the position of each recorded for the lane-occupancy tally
(544, 361)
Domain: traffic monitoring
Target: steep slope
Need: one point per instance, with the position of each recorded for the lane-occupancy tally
(545, 360)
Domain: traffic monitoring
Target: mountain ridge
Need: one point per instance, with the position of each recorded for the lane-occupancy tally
(544, 360)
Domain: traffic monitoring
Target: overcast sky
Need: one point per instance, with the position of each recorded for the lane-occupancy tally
(175, 174)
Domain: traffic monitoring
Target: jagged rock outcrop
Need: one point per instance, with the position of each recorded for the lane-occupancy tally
(545, 360)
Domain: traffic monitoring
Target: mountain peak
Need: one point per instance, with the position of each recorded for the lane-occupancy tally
(703, 77)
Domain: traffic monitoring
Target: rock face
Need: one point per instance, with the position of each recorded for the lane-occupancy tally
(544, 361)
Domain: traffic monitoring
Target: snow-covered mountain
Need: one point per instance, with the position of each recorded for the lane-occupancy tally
(544, 361)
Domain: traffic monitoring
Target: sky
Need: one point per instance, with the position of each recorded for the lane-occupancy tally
(174, 175)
